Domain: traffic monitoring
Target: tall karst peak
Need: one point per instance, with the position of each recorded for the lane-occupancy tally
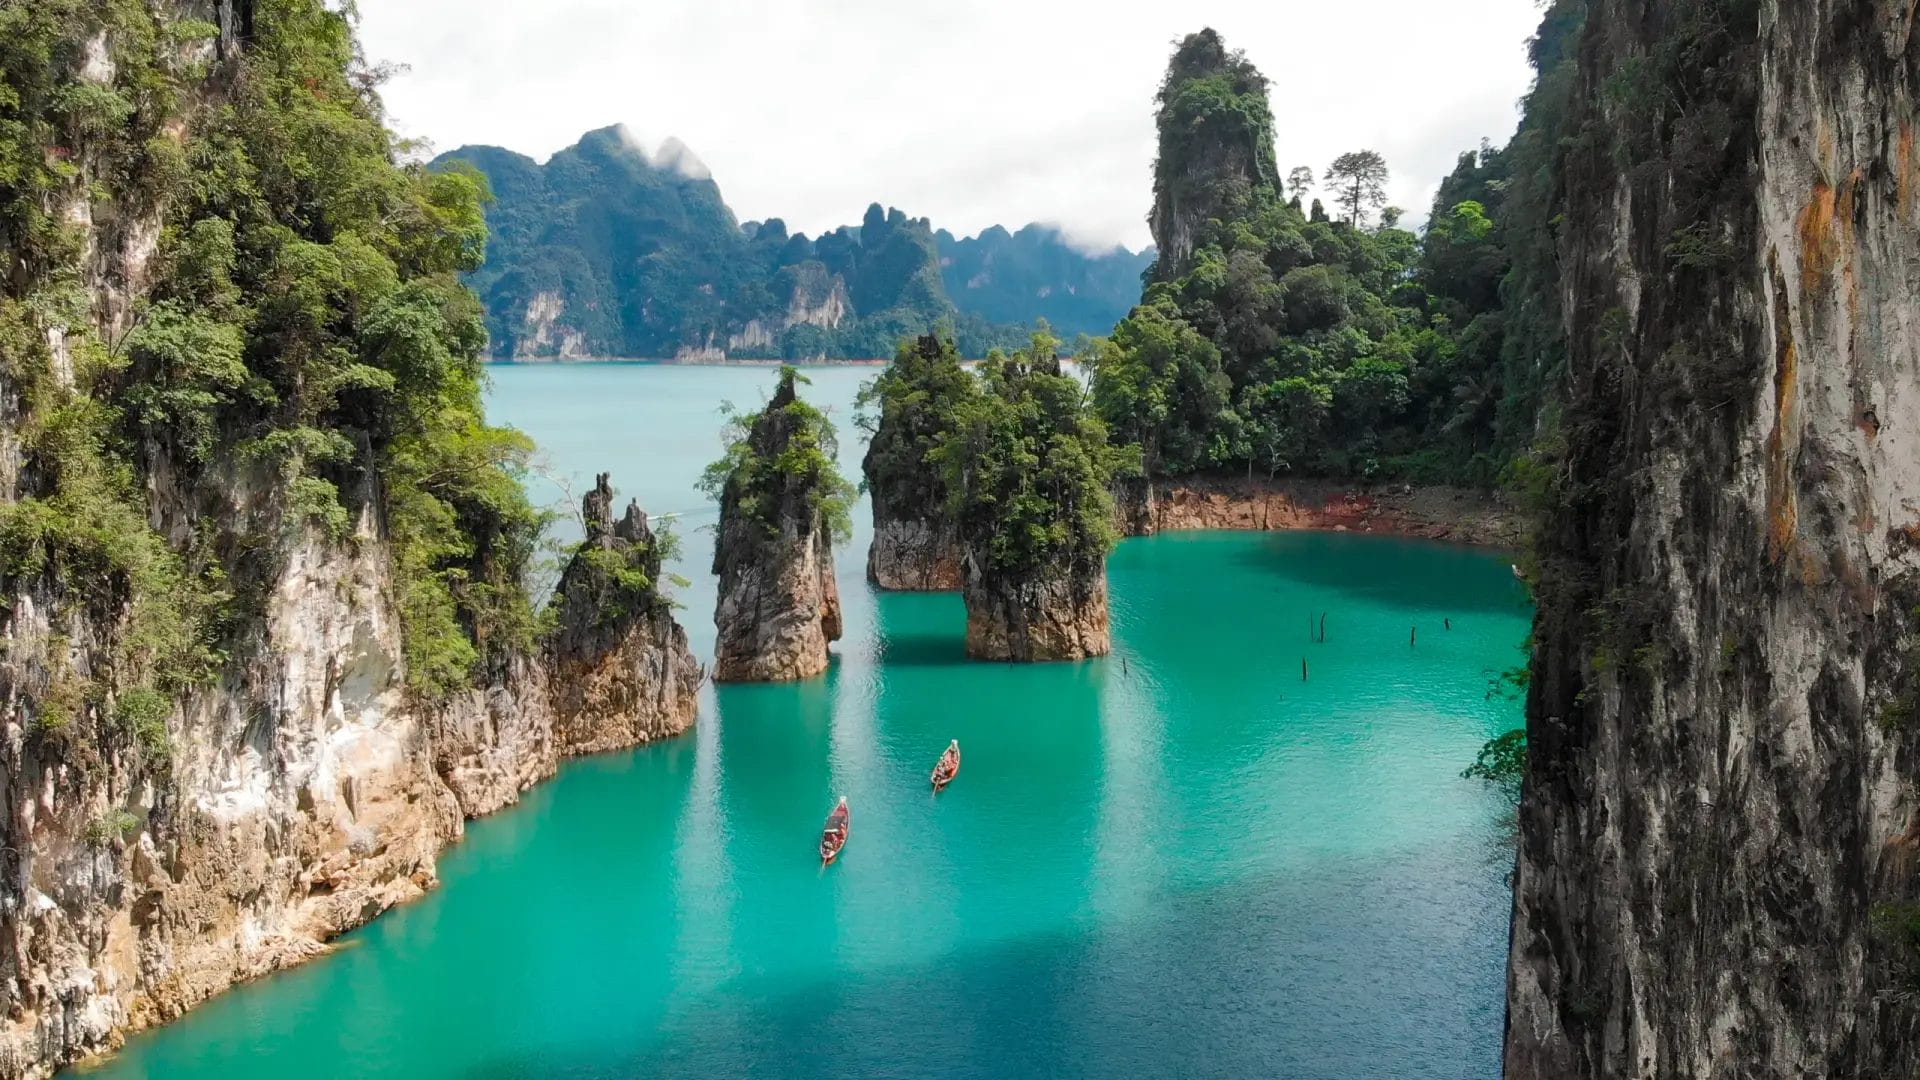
(1216, 156)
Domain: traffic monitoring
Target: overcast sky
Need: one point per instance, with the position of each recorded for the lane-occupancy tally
(971, 112)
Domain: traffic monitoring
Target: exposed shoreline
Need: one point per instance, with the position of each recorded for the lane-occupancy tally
(668, 361)
(1453, 515)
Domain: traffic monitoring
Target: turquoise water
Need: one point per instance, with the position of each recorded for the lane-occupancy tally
(1178, 861)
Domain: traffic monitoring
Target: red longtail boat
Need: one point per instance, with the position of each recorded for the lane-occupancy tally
(834, 836)
(948, 767)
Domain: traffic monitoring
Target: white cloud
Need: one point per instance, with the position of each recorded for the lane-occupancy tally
(970, 112)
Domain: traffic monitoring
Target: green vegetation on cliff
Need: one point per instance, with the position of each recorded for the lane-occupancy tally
(1036, 274)
(779, 465)
(1028, 466)
(907, 410)
(1274, 340)
(270, 336)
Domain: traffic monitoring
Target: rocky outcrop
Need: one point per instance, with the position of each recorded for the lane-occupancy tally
(544, 335)
(1716, 874)
(912, 553)
(306, 791)
(779, 605)
(1034, 569)
(621, 667)
(165, 834)
(1036, 616)
(916, 541)
(1213, 156)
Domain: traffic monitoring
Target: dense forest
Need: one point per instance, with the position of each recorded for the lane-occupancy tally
(303, 327)
(609, 249)
(1282, 333)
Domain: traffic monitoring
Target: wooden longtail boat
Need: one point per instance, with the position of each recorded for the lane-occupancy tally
(948, 767)
(834, 837)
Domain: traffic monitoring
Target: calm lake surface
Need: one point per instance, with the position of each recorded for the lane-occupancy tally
(1180, 861)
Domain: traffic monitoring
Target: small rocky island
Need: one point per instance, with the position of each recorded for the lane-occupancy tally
(1031, 474)
(915, 543)
(622, 671)
(782, 503)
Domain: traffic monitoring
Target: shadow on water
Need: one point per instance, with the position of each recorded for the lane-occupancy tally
(923, 650)
(1228, 982)
(1386, 571)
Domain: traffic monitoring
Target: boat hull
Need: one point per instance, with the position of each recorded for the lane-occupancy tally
(834, 837)
(944, 772)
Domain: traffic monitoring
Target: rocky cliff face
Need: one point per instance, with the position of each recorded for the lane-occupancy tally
(1038, 615)
(1213, 158)
(912, 552)
(1716, 873)
(1430, 513)
(1034, 570)
(779, 604)
(710, 288)
(166, 831)
(612, 614)
(307, 791)
(916, 541)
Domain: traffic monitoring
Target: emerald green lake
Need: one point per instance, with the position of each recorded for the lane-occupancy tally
(1179, 861)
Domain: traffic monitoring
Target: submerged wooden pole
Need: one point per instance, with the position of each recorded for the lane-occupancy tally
(1303, 669)
(1323, 628)
(1413, 634)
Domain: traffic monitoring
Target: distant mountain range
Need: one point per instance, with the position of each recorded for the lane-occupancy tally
(611, 249)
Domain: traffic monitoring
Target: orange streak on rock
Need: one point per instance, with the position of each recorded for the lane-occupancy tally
(1819, 247)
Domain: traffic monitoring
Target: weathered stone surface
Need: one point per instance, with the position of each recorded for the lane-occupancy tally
(308, 792)
(1429, 513)
(779, 604)
(1720, 792)
(304, 789)
(916, 543)
(1037, 616)
(621, 669)
(912, 554)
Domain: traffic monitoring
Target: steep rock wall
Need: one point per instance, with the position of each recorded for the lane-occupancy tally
(779, 603)
(1720, 804)
(912, 554)
(306, 792)
(1036, 616)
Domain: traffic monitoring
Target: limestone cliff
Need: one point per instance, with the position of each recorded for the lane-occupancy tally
(916, 543)
(263, 643)
(780, 504)
(304, 792)
(1716, 875)
(615, 248)
(612, 611)
(1034, 569)
(1429, 513)
(1058, 614)
(1213, 157)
